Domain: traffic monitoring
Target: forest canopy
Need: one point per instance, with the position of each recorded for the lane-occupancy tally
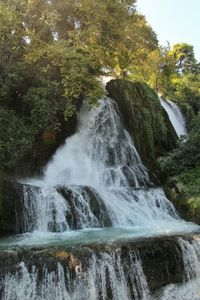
(53, 52)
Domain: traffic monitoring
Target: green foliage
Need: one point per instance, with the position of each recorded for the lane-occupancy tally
(190, 181)
(175, 74)
(43, 106)
(183, 58)
(75, 72)
(188, 185)
(52, 52)
(193, 207)
(111, 30)
(187, 155)
(15, 138)
(42, 79)
(184, 165)
(187, 93)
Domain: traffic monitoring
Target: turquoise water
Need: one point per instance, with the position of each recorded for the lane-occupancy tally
(96, 236)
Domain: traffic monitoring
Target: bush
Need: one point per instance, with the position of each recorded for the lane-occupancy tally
(187, 155)
(16, 138)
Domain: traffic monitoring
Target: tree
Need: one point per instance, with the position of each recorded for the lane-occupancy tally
(184, 59)
(52, 53)
(16, 138)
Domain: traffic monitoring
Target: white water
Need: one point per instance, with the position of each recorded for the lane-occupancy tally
(190, 289)
(100, 155)
(175, 115)
(186, 291)
(104, 274)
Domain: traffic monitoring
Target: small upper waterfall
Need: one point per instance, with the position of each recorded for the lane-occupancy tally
(175, 115)
(96, 179)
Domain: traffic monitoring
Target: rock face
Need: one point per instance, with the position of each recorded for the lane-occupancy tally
(166, 255)
(97, 271)
(10, 206)
(96, 205)
(144, 118)
(19, 208)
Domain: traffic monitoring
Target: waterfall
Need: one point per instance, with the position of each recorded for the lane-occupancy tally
(111, 274)
(100, 154)
(96, 179)
(107, 276)
(191, 262)
(175, 115)
(94, 191)
(191, 258)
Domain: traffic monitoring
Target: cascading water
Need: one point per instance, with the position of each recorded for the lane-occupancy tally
(105, 277)
(191, 260)
(175, 115)
(111, 274)
(95, 180)
(98, 167)
(100, 154)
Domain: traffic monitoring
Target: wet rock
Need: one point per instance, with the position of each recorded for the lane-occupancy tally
(11, 207)
(159, 259)
(93, 200)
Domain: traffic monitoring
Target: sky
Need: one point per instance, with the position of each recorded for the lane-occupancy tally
(174, 21)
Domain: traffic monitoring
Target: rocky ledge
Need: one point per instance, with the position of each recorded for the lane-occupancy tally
(153, 263)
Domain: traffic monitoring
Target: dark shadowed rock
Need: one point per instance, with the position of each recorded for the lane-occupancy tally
(11, 207)
(94, 201)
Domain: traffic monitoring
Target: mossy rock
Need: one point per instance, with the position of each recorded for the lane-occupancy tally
(184, 193)
(145, 119)
(193, 205)
(188, 208)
